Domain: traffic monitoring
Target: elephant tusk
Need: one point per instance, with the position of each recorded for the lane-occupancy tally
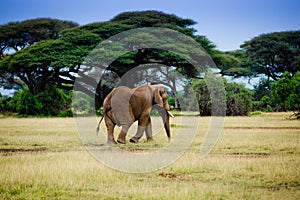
(170, 114)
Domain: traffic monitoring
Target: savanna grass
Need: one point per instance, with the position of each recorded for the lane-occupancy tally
(256, 157)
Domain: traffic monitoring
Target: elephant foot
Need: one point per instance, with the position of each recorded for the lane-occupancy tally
(149, 139)
(111, 142)
(122, 138)
(134, 140)
(121, 141)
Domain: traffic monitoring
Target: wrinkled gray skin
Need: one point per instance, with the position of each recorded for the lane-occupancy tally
(123, 106)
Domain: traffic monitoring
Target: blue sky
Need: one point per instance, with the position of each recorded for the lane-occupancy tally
(227, 23)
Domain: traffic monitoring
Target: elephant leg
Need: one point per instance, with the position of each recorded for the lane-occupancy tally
(138, 134)
(149, 131)
(141, 128)
(122, 135)
(110, 131)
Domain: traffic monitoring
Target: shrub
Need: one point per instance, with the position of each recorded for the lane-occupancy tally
(24, 103)
(51, 102)
(238, 98)
(286, 92)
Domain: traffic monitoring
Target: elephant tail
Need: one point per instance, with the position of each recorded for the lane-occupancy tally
(98, 127)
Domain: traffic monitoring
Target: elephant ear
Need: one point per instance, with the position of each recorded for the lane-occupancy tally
(158, 99)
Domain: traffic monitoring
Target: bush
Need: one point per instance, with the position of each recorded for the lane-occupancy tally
(84, 105)
(238, 98)
(24, 103)
(286, 92)
(203, 97)
(51, 102)
(264, 104)
(66, 113)
(4, 103)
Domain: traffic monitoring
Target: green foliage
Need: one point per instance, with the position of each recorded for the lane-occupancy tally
(155, 19)
(66, 113)
(228, 64)
(18, 35)
(263, 100)
(82, 38)
(286, 92)
(263, 88)
(238, 98)
(281, 95)
(274, 53)
(234, 63)
(202, 96)
(59, 48)
(44, 56)
(56, 49)
(49, 61)
(83, 104)
(51, 102)
(265, 104)
(171, 101)
(4, 103)
(105, 29)
(24, 103)
(205, 43)
(188, 98)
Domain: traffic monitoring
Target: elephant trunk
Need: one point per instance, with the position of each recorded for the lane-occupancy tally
(166, 120)
(167, 126)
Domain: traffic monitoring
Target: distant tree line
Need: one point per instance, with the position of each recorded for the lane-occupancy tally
(41, 58)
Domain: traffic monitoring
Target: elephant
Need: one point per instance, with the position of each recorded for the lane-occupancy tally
(123, 106)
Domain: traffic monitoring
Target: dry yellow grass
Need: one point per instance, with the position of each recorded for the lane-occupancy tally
(256, 157)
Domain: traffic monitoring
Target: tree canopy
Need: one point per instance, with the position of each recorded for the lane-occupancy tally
(274, 53)
(156, 19)
(18, 35)
(44, 57)
(28, 63)
(49, 61)
(56, 49)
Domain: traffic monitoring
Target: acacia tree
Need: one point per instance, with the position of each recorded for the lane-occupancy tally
(141, 56)
(45, 66)
(274, 53)
(18, 35)
(156, 19)
(51, 61)
(62, 54)
(14, 37)
(55, 50)
(271, 56)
